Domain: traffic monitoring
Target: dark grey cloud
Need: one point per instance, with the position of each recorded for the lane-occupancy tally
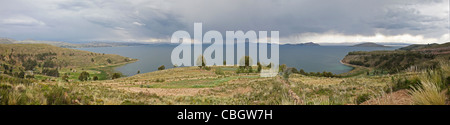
(147, 20)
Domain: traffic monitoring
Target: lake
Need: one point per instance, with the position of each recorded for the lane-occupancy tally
(309, 58)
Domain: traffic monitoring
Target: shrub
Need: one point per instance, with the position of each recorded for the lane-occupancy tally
(95, 78)
(404, 83)
(116, 75)
(51, 72)
(303, 72)
(162, 67)
(207, 68)
(49, 64)
(219, 71)
(84, 76)
(109, 60)
(29, 64)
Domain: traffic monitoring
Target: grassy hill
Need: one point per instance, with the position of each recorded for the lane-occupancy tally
(368, 44)
(401, 59)
(222, 85)
(424, 46)
(43, 61)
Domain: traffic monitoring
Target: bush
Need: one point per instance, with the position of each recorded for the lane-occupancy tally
(162, 67)
(404, 83)
(207, 68)
(109, 60)
(29, 64)
(95, 78)
(51, 72)
(49, 64)
(84, 76)
(219, 71)
(116, 75)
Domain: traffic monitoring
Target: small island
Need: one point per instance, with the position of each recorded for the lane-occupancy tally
(368, 44)
(304, 44)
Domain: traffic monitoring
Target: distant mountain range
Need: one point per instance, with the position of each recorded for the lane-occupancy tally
(368, 44)
(70, 45)
(304, 44)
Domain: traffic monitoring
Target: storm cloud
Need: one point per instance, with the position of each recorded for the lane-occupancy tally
(413, 21)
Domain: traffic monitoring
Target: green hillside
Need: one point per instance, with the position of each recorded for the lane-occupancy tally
(413, 57)
(44, 61)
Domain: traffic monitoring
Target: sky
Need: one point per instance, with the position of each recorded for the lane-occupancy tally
(298, 21)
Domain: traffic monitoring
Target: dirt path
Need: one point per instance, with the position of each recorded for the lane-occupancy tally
(166, 91)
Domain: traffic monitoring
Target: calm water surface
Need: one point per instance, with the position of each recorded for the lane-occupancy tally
(309, 58)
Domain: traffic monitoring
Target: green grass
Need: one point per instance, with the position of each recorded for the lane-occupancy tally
(195, 83)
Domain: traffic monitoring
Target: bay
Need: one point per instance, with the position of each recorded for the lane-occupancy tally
(309, 58)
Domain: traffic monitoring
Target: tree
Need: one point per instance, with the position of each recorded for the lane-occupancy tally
(109, 60)
(245, 61)
(92, 59)
(259, 67)
(139, 71)
(95, 78)
(303, 72)
(200, 62)
(116, 75)
(84, 76)
(162, 67)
